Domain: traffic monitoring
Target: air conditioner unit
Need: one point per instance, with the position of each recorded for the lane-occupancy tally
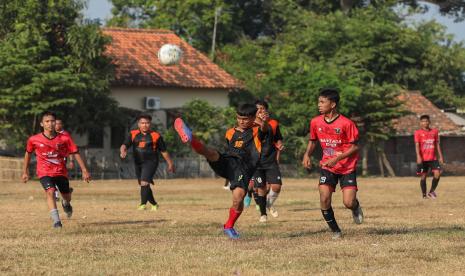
(152, 103)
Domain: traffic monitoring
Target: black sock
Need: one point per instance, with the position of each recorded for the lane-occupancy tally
(434, 184)
(328, 215)
(150, 196)
(355, 207)
(423, 186)
(144, 194)
(262, 204)
(255, 197)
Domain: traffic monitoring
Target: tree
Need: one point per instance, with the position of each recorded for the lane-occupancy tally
(51, 59)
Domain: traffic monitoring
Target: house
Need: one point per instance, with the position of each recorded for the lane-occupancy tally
(400, 149)
(143, 84)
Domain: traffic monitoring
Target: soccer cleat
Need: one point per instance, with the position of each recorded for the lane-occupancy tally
(263, 218)
(432, 195)
(337, 235)
(424, 197)
(231, 233)
(227, 186)
(57, 225)
(247, 200)
(67, 208)
(357, 215)
(154, 208)
(141, 207)
(273, 212)
(183, 131)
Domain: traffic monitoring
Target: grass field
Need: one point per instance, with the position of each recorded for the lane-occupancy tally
(402, 234)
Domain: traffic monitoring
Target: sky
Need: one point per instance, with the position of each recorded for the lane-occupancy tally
(101, 9)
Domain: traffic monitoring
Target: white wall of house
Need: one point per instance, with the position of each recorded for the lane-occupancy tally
(169, 97)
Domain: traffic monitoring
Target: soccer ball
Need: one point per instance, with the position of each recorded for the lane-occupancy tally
(169, 54)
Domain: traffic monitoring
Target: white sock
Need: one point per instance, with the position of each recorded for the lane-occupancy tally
(271, 198)
(54, 215)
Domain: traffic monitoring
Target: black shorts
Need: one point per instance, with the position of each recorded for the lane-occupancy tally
(145, 171)
(232, 169)
(347, 181)
(270, 175)
(60, 182)
(426, 166)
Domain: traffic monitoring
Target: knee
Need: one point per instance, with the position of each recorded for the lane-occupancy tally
(50, 192)
(325, 202)
(276, 188)
(349, 203)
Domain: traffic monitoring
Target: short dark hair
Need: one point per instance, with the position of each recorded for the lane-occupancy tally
(424, 117)
(144, 116)
(246, 109)
(332, 94)
(48, 113)
(262, 103)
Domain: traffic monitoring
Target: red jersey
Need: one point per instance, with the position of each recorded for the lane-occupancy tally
(51, 153)
(335, 138)
(428, 140)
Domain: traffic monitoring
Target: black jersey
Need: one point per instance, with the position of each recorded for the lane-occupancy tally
(269, 150)
(145, 146)
(245, 145)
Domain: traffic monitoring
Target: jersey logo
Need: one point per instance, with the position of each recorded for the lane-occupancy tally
(141, 144)
(337, 130)
(259, 180)
(238, 144)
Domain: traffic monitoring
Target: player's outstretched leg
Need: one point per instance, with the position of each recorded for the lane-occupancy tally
(185, 133)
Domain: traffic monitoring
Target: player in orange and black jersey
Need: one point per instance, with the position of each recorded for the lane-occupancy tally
(239, 161)
(267, 177)
(146, 144)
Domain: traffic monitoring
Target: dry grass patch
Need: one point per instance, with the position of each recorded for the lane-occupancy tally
(402, 234)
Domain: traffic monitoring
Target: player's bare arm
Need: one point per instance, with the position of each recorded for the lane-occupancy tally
(168, 160)
(27, 160)
(85, 173)
(438, 147)
(332, 162)
(123, 151)
(306, 162)
(417, 150)
(262, 120)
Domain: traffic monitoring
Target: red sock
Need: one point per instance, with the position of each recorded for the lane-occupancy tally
(233, 216)
(196, 145)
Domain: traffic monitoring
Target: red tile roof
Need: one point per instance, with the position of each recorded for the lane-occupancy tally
(134, 52)
(417, 105)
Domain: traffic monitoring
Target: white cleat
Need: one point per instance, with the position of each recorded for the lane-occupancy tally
(337, 235)
(263, 218)
(273, 212)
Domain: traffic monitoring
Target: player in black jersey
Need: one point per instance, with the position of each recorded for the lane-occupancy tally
(267, 177)
(146, 144)
(238, 163)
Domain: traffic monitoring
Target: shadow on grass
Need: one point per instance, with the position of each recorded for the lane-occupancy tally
(304, 209)
(303, 233)
(404, 231)
(126, 222)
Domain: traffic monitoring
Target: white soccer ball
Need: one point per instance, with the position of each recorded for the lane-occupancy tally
(170, 54)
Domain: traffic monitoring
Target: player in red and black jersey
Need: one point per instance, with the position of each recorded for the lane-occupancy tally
(51, 149)
(59, 129)
(426, 145)
(267, 177)
(146, 144)
(338, 138)
(238, 163)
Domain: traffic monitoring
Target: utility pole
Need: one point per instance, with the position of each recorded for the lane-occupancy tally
(217, 14)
